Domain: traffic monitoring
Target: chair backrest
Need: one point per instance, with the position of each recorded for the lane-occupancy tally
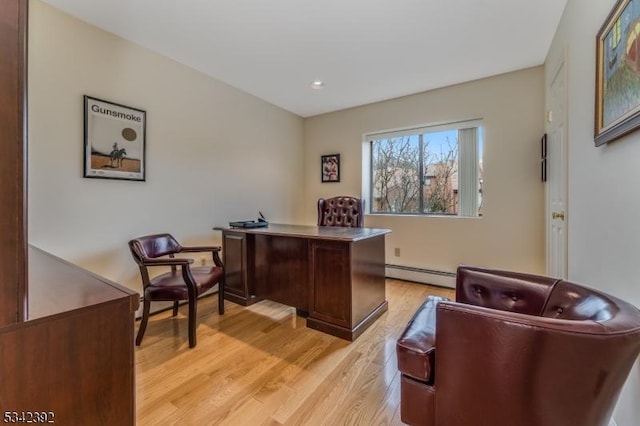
(344, 211)
(503, 290)
(151, 246)
(534, 295)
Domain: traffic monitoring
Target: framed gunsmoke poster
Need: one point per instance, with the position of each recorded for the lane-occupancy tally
(114, 140)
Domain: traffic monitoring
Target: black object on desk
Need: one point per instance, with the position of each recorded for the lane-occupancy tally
(249, 224)
(260, 223)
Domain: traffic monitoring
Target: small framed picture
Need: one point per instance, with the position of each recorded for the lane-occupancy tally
(114, 140)
(330, 166)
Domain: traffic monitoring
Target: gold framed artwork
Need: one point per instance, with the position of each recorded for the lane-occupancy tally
(617, 109)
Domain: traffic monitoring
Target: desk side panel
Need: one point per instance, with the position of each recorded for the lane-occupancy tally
(238, 256)
(367, 279)
(330, 287)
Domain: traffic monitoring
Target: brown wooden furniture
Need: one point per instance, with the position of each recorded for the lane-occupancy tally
(66, 336)
(187, 284)
(13, 213)
(341, 211)
(333, 275)
(73, 355)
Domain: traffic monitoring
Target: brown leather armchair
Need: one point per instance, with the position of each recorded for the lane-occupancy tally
(186, 284)
(342, 211)
(516, 349)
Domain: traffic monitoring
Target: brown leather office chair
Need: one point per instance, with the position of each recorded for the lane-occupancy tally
(342, 211)
(187, 283)
(516, 349)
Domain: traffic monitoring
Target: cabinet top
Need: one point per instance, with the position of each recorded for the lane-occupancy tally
(59, 287)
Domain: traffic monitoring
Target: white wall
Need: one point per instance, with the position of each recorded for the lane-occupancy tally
(603, 225)
(510, 234)
(214, 153)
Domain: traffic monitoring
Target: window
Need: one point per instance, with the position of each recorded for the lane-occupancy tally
(427, 170)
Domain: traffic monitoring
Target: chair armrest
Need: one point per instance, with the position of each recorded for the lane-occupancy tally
(215, 250)
(196, 249)
(421, 329)
(417, 344)
(147, 261)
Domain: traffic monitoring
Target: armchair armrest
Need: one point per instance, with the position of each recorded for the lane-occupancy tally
(215, 250)
(416, 345)
(196, 249)
(147, 261)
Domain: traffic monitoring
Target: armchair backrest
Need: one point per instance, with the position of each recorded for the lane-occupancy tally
(503, 290)
(574, 302)
(152, 246)
(341, 211)
(533, 295)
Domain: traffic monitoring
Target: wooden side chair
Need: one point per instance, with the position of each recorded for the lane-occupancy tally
(186, 283)
(342, 211)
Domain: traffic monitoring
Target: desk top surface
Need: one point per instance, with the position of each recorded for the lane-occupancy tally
(315, 232)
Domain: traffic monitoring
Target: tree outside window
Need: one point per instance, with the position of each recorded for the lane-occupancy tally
(419, 173)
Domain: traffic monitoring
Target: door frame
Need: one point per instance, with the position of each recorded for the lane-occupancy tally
(560, 64)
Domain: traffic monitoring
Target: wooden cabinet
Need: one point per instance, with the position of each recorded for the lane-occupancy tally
(13, 216)
(73, 357)
(66, 336)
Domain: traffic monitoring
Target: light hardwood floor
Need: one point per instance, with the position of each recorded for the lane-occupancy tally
(260, 365)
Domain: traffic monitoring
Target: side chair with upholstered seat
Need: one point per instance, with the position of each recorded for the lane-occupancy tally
(183, 282)
(342, 211)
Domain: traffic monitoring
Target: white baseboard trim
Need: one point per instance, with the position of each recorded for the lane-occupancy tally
(421, 275)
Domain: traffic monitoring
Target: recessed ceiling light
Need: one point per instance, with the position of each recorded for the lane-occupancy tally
(316, 84)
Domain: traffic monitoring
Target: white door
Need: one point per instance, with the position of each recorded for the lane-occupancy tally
(556, 205)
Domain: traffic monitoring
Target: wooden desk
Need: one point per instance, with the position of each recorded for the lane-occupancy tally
(335, 276)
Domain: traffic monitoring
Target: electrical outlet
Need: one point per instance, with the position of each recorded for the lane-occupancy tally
(396, 252)
(203, 261)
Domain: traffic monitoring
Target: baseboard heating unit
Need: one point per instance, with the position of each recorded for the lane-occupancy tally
(421, 275)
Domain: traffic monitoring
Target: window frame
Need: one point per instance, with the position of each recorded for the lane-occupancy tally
(368, 166)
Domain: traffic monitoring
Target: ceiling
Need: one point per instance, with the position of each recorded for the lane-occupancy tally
(363, 50)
